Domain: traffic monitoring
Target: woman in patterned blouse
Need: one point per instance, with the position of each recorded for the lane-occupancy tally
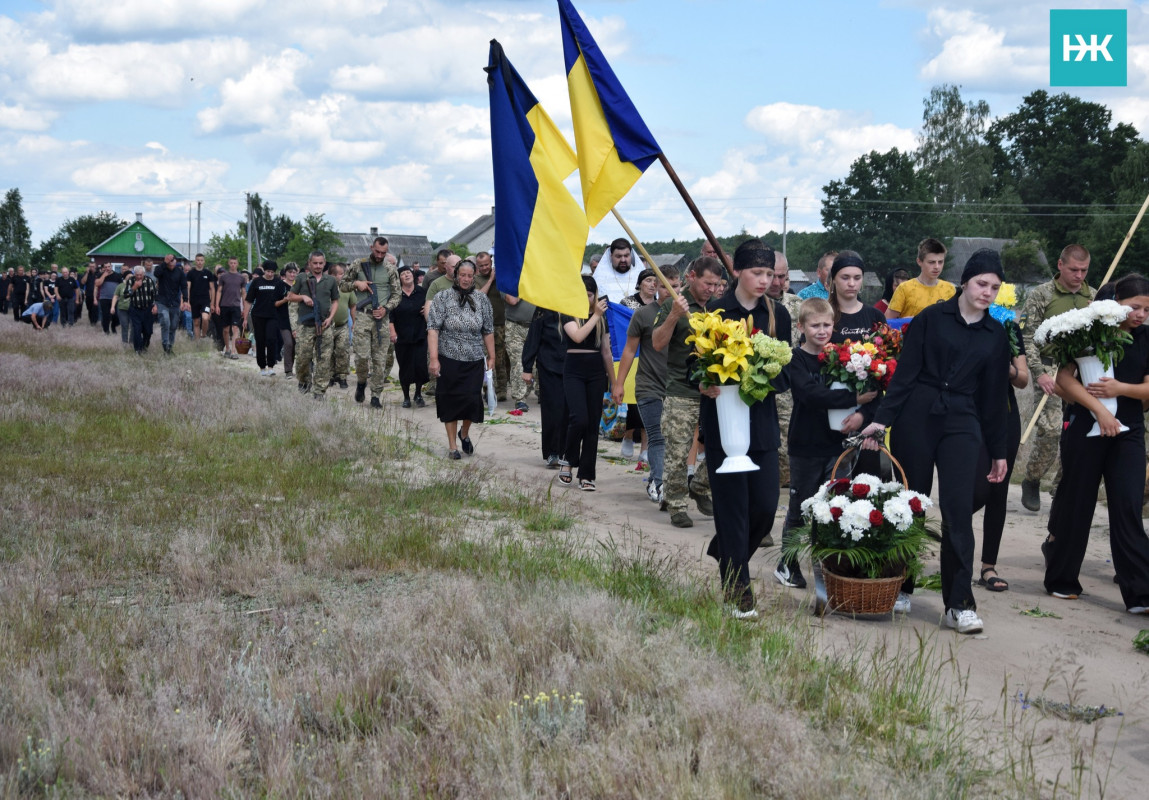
(460, 327)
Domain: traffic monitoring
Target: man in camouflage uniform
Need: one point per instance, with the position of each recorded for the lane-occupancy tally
(1066, 292)
(779, 291)
(485, 282)
(318, 296)
(341, 331)
(370, 349)
(682, 401)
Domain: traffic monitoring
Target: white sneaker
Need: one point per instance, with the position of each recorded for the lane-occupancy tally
(643, 457)
(1138, 609)
(965, 621)
(902, 604)
(628, 448)
(652, 490)
(263, 372)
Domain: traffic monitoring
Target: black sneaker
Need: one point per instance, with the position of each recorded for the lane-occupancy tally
(790, 575)
(468, 448)
(420, 402)
(746, 606)
(360, 392)
(375, 403)
(521, 406)
(552, 462)
(406, 404)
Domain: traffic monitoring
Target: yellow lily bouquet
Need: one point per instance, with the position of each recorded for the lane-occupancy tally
(730, 353)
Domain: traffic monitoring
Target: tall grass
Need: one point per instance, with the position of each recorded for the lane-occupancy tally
(210, 586)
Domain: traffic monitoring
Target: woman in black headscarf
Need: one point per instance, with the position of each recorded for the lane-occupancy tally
(460, 327)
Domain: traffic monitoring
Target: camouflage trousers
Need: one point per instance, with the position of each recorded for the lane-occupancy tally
(679, 422)
(371, 351)
(340, 352)
(390, 358)
(501, 362)
(310, 347)
(1046, 438)
(785, 403)
(515, 336)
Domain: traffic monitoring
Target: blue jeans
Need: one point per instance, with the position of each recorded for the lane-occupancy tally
(170, 319)
(187, 320)
(650, 409)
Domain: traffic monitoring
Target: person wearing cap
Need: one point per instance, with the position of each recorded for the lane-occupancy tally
(944, 401)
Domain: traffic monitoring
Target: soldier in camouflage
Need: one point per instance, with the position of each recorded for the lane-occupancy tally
(519, 314)
(318, 297)
(341, 332)
(485, 282)
(780, 292)
(371, 349)
(1066, 292)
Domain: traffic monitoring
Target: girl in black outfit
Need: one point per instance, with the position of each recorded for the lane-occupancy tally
(992, 496)
(263, 318)
(544, 354)
(944, 400)
(588, 370)
(853, 319)
(1116, 456)
(409, 335)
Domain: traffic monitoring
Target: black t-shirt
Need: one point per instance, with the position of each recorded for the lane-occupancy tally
(591, 342)
(262, 294)
(199, 288)
(283, 313)
(36, 295)
(66, 287)
(19, 284)
(857, 325)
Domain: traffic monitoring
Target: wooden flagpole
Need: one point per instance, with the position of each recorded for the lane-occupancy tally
(694, 210)
(645, 254)
(1105, 280)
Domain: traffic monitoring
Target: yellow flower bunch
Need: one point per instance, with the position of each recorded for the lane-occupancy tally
(1007, 295)
(729, 353)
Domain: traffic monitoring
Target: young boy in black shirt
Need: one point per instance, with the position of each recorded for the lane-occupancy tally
(814, 446)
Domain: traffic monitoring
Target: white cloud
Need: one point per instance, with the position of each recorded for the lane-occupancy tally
(151, 175)
(20, 118)
(974, 53)
(259, 98)
(145, 18)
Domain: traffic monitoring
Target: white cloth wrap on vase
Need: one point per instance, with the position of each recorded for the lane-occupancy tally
(1090, 370)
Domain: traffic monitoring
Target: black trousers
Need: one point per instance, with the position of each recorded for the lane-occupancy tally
(142, 321)
(921, 441)
(108, 319)
(1120, 462)
(993, 496)
(744, 508)
(807, 474)
(553, 410)
(584, 383)
(18, 306)
(266, 334)
(93, 309)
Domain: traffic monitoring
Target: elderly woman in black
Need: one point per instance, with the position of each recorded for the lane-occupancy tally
(460, 327)
(409, 335)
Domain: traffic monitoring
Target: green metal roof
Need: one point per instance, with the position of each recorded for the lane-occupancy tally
(136, 240)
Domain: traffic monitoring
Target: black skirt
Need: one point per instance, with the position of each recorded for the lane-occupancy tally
(412, 360)
(459, 391)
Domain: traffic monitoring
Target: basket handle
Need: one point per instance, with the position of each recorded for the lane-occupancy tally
(881, 448)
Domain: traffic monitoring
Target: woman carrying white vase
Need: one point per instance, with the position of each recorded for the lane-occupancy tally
(1116, 456)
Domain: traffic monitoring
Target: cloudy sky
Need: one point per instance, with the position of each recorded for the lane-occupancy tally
(375, 113)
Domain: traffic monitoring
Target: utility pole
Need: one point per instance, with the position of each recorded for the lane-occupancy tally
(189, 255)
(785, 208)
(198, 220)
(248, 198)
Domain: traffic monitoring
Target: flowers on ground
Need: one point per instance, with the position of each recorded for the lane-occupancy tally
(1093, 330)
(728, 353)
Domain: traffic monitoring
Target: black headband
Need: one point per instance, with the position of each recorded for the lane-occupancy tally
(843, 260)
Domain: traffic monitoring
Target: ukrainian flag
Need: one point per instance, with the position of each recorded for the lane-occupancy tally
(614, 145)
(540, 231)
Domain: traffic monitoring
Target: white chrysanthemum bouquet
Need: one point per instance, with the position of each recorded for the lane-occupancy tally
(1094, 330)
(864, 528)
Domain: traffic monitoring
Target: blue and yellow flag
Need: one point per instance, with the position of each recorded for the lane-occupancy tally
(540, 231)
(614, 145)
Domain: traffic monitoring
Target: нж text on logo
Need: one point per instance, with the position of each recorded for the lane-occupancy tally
(1081, 48)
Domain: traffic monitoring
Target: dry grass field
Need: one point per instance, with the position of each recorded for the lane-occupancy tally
(211, 586)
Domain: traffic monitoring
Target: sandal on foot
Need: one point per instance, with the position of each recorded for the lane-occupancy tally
(586, 485)
(994, 583)
(565, 474)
